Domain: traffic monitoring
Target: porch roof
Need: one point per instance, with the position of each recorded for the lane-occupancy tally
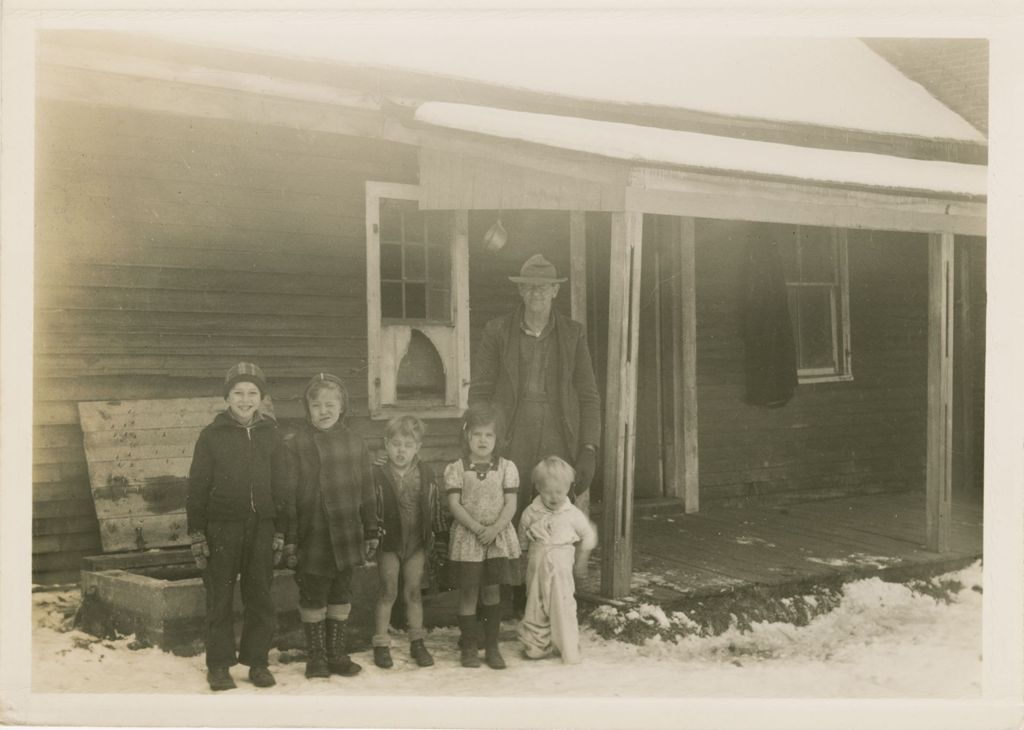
(837, 83)
(656, 147)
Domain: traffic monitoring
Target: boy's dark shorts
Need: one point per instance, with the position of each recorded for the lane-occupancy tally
(318, 591)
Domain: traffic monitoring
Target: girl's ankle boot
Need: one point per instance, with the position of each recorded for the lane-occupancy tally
(338, 660)
(491, 616)
(467, 644)
(316, 650)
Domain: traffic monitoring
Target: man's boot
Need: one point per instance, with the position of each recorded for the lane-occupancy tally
(316, 650)
(468, 641)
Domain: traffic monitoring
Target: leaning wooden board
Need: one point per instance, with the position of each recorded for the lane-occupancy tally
(139, 454)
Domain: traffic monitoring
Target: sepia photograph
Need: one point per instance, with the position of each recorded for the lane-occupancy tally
(420, 358)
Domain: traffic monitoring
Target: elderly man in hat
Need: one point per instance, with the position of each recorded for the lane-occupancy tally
(534, 363)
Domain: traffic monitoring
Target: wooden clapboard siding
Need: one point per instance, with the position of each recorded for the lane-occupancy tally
(865, 435)
(169, 247)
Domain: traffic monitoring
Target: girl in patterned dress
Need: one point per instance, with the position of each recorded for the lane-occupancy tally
(481, 490)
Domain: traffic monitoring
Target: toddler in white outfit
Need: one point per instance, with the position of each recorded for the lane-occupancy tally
(559, 539)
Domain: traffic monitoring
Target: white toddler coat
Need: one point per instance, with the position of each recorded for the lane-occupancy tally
(549, 622)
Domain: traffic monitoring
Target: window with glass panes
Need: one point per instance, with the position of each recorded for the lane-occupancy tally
(814, 261)
(415, 263)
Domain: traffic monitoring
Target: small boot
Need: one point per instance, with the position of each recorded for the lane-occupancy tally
(491, 619)
(316, 650)
(467, 644)
(419, 653)
(382, 657)
(337, 660)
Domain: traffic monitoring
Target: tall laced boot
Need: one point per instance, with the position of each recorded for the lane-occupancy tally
(468, 641)
(338, 661)
(491, 619)
(316, 650)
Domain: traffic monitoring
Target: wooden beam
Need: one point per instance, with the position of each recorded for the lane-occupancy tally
(460, 298)
(700, 195)
(686, 334)
(161, 96)
(940, 392)
(620, 403)
(578, 265)
(963, 362)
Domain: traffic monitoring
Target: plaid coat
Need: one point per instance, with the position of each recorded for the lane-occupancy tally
(332, 507)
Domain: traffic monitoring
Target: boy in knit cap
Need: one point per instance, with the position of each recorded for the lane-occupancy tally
(332, 525)
(236, 511)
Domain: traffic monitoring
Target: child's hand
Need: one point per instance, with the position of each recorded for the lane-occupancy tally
(291, 556)
(382, 459)
(370, 548)
(488, 534)
(581, 570)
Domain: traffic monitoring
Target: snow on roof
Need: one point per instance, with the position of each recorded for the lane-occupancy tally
(655, 146)
(832, 82)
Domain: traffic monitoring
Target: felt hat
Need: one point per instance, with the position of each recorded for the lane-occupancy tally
(245, 372)
(537, 270)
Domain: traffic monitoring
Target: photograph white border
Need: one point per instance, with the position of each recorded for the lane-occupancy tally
(1003, 612)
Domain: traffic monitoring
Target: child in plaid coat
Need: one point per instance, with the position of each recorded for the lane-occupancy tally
(332, 525)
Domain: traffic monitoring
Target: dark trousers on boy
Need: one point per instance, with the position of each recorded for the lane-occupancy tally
(239, 547)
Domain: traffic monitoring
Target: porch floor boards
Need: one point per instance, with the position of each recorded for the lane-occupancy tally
(679, 557)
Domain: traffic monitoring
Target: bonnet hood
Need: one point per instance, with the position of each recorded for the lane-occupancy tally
(325, 378)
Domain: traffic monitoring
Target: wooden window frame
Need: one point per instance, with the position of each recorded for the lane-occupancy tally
(840, 301)
(451, 339)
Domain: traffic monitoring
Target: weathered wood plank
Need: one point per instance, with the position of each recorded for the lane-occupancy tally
(142, 533)
(62, 525)
(940, 390)
(139, 489)
(76, 543)
(76, 507)
(620, 402)
(152, 137)
(578, 265)
(685, 309)
(240, 304)
(187, 277)
(84, 86)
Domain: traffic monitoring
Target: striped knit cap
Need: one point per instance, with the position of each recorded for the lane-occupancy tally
(245, 372)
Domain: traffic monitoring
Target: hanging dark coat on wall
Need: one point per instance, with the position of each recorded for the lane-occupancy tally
(771, 374)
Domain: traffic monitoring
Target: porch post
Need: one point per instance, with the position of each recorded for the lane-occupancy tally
(578, 265)
(681, 356)
(938, 476)
(620, 403)
(686, 334)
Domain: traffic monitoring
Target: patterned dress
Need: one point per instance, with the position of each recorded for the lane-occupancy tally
(482, 490)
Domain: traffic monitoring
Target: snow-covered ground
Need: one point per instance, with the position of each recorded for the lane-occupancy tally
(883, 640)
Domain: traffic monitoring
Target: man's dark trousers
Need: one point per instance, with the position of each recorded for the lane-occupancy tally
(239, 547)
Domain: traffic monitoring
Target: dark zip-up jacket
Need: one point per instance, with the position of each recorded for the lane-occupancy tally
(238, 470)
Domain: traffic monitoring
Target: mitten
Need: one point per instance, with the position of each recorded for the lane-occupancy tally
(200, 550)
(278, 547)
(291, 557)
